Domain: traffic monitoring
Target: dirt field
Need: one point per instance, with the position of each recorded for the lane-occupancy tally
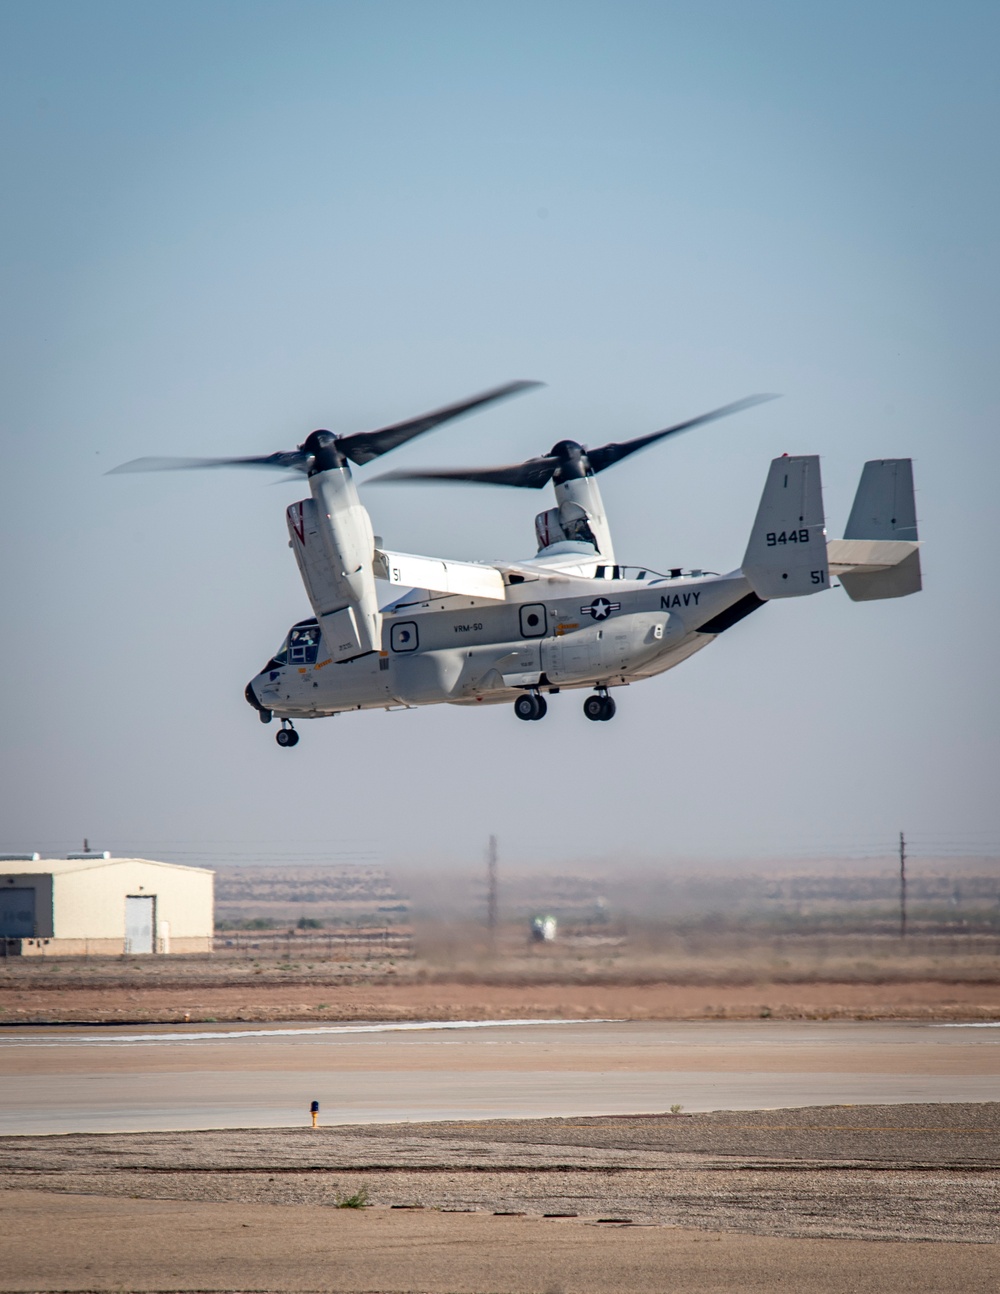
(23, 1001)
(818, 1199)
(911, 1172)
(92, 1243)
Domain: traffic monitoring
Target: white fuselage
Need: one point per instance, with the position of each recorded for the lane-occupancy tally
(552, 631)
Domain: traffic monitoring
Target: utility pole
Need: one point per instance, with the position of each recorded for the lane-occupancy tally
(902, 886)
(491, 892)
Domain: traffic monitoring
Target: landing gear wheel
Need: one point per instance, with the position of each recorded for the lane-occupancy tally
(593, 708)
(599, 708)
(529, 706)
(524, 707)
(287, 737)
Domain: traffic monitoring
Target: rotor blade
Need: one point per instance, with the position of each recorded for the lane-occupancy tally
(367, 445)
(293, 460)
(614, 453)
(531, 475)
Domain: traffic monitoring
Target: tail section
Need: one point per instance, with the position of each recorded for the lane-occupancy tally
(786, 556)
(879, 556)
(884, 507)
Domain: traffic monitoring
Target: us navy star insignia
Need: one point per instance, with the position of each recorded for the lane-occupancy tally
(600, 608)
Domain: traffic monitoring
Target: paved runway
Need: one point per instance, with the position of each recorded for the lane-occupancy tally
(117, 1079)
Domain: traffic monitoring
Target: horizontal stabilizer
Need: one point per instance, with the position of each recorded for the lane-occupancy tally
(786, 555)
(468, 578)
(871, 569)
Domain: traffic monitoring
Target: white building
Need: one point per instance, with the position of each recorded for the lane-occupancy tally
(96, 904)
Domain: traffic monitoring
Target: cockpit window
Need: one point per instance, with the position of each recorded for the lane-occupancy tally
(303, 645)
(280, 657)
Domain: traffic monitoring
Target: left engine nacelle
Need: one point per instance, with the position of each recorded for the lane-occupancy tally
(331, 537)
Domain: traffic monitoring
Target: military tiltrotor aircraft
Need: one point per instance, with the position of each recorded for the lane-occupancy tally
(570, 617)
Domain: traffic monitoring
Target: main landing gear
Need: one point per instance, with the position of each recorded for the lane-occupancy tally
(287, 736)
(600, 708)
(530, 705)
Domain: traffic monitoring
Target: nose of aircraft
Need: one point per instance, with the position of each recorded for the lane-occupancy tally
(252, 698)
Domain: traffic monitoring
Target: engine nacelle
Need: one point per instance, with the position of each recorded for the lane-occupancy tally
(569, 521)
(578, 518)
(331, 536)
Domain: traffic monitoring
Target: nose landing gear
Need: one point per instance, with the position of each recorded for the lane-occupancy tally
(530, 705)
(600, 708)
(286, 736)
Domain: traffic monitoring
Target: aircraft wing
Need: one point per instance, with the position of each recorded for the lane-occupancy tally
(440, 575)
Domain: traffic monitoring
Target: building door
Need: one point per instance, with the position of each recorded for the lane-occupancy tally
(17, 912)
(139, 923)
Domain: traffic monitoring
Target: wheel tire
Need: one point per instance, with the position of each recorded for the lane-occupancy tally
(293, 737)
(593, 708)
(281, 737)
(541, 707)
(609, 709)
(525, 707)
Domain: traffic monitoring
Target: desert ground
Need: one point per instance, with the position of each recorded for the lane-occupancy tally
(862, 1199)
(35, 999)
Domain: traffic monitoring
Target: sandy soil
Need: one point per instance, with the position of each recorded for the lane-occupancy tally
(88, 1243)
(22, 1001)
(871, 1172)
(820, 1199)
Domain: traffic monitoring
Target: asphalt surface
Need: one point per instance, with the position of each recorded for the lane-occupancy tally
(120, 1079)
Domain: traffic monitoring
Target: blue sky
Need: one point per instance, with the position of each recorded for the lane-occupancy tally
(226, 224)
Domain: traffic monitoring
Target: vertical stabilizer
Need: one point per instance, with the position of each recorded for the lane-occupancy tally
(884, 506)
(878, 556)
(786, 555)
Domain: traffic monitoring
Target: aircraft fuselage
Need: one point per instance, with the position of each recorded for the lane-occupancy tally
(552, 631)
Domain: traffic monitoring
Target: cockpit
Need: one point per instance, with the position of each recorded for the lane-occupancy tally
(301, 647)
